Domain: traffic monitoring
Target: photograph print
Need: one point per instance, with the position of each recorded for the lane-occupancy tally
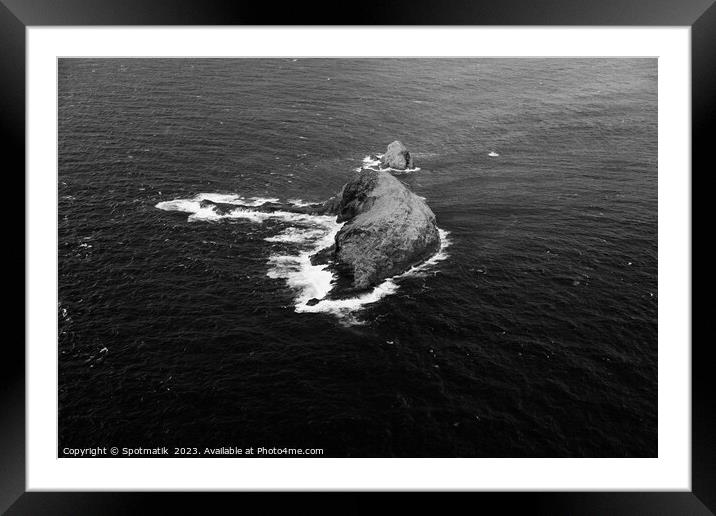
(357, 257)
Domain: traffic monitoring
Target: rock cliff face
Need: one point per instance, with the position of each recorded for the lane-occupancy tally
(387, 230)
(397, 156)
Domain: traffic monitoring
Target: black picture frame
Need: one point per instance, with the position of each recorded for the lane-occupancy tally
(17, 15)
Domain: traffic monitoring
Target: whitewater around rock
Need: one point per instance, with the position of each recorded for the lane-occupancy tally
(342, 254)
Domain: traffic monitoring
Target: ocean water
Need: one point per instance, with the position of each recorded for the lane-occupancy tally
(533, 333)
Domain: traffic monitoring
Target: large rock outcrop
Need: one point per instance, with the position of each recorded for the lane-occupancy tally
(388, 229)
(397, 156)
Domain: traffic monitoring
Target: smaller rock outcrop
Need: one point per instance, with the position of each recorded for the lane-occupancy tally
(397, 156)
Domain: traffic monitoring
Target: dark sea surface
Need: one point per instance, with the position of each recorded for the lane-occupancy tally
(534, 336)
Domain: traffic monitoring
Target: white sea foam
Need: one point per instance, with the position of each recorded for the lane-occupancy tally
(304, 237)
(242, 211)
(193, 205)
(300, 203)
(346, 308)
(294, 235)
(184, 205)
(371, 161)
(311, 233)
(308, 281)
